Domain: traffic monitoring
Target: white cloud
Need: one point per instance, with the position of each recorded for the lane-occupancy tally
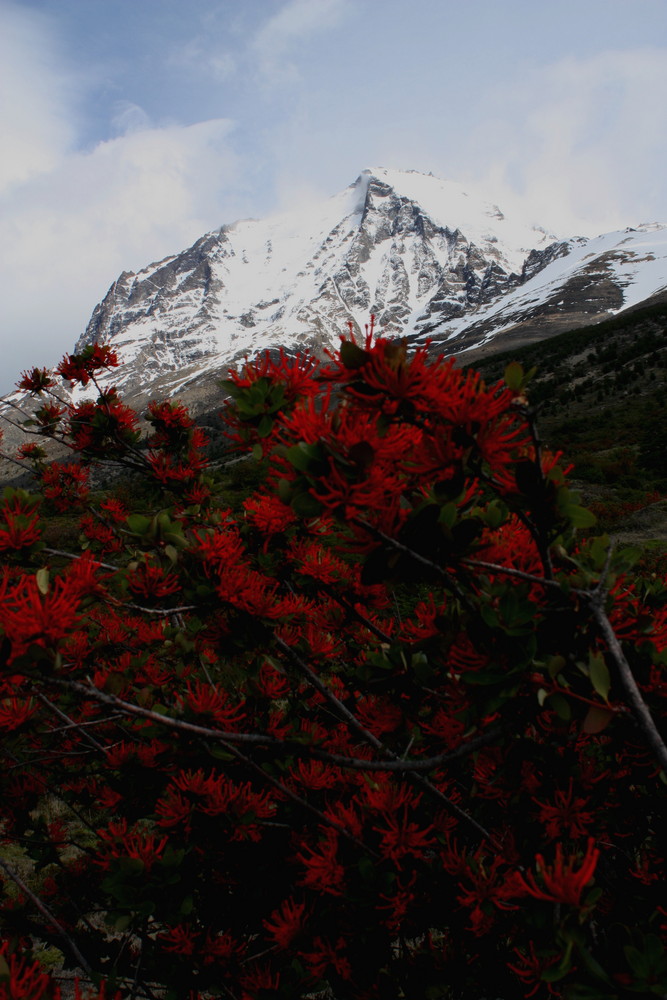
(37, 99)
(67, 235)
(295, 24)
(204, 54)
(129, 117)
(71, 219)
(583, 142)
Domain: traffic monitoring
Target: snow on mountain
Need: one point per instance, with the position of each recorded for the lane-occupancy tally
(429, 259)
(576, 283)
(408, 247)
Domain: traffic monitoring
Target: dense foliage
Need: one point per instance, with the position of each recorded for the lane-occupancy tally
(600, 394)
(390, 730)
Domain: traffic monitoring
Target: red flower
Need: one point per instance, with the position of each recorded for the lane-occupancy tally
(399, 903)
(205, 699)
(82, 367)
(29, 616)
(295, 374)
(324, 872)
(345, 816)
(118, 841)
(97, 531)
(258, 980)
(400, 837)
(221, 948)
(66, 484)
(269, 514)
(485, 886)
(562, 884)
(315, 775)
(27, 981)
(107, 425)
(531, 967)
(565, 817)
(15, 711)
(150, 580)
(326, 955)
(31, 451)
(181, 940)
(114, 509)
(286, 922)
(36, 381)
(48, 417)
(173, 808)
(172, 424)
(378, 715)
(19, 531)
(385, 795)
(271, 683)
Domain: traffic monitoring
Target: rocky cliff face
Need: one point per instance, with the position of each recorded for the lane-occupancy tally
(428, 259)
(414, 250)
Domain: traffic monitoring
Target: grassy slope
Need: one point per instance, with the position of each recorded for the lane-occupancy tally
(601, 396)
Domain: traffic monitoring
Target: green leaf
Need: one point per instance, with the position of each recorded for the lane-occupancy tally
(555, 665)
(599, 674)
(285, 490)
(514, 376)
(448, 515)
(366, 867)
(561, 706)
(131, 866)
(495, 514)
(580, 517)
(138, 523)
(352, 355)
(300, 456)
(306, 505)
(597, 719)
(423, 670)
(265, 426)
(598, 549)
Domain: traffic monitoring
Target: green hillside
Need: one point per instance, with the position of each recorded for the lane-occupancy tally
(600, 393)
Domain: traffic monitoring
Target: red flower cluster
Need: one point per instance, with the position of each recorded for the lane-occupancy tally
(81, 368)
(313, 739)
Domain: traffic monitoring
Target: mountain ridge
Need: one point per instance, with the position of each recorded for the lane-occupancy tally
(430, 260)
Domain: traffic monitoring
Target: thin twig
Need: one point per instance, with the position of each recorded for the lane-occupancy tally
(398, 765)
(189, 727)
(46, 913)
(70, 722)
(637, 704)
(284, 790)
(406, 550)
(368, 737)
(517, 573)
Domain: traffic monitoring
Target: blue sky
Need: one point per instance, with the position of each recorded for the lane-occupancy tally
(131, 127)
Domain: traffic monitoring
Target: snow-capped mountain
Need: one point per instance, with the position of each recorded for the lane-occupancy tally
(429, 260)
(416, 251)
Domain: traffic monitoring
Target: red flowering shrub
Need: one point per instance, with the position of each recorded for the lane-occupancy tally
(393, 730)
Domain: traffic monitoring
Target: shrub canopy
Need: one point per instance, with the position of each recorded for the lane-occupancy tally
(391, 728)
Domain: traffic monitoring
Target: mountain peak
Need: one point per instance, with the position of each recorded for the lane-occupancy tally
(427, 256)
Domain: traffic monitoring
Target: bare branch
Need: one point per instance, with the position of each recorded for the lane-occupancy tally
(637, 704)
(48, 915)
(374, 741)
